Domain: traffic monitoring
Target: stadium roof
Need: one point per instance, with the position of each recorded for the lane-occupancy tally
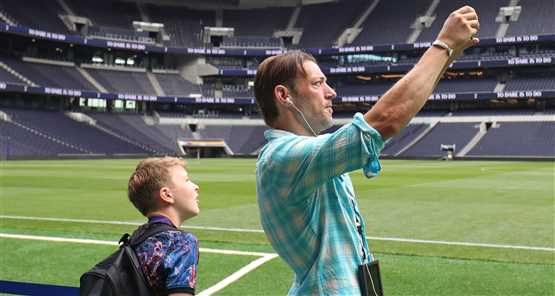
(232, 4)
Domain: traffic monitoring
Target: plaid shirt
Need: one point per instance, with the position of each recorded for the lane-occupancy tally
(308, 208)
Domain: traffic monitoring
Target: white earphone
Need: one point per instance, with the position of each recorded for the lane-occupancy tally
(289, 103)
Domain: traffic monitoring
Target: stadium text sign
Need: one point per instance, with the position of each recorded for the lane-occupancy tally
(356, 49)
(215, 100)
(530, 61)
(347, 70)
(357, 99)
(520, 94)
(125, 45)
(443, 96)
(517, 39)
(62, 91)
(136, 97)
(48, 35)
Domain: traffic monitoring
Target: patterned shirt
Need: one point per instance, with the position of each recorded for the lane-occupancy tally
(308, 208)
(169, 260)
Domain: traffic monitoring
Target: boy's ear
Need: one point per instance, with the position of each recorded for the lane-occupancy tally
(166, 195)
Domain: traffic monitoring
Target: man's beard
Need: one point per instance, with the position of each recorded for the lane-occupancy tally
(322, 124)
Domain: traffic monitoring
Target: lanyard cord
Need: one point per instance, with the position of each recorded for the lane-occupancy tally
(358, 225)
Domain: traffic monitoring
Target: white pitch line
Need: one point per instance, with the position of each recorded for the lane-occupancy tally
(237, 275)
(405, 240)
(89, 221)
(59, 239)
(466, 244)
(113, 243)
(264, 257)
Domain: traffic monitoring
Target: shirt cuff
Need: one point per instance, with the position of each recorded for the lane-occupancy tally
(181, 290)
(372, 144)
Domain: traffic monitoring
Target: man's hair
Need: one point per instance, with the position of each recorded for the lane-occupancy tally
(281, 69)
(149, 177)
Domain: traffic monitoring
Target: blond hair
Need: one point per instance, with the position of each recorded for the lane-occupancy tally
(150, 175)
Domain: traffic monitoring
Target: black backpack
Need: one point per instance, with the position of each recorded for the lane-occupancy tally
(120, 273)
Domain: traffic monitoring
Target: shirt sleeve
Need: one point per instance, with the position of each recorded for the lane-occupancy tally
(299, 165)
(181, 264)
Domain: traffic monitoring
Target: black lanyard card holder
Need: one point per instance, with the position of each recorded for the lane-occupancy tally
(370, 279)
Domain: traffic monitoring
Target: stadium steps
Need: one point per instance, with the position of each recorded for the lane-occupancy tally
(16, 74)
(350, 34)
(4, 116)
(4, 16)
(80, 117)
(499, 87)
(142, 11)
(474, 141)
(155, 84)
(50, 138)
(114, 134)
(91, 80)
(65, 7)
(417, 25)
(418, 138)
(503, 24)
(294, 17)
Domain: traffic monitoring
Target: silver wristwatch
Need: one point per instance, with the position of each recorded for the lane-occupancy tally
(443, 45)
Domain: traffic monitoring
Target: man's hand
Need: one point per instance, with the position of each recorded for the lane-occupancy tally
(401, 102)
(459, 30)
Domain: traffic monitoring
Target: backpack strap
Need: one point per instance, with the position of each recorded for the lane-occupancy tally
(144, 232)
(124, 240)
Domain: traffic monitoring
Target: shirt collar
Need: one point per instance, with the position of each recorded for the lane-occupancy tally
(160, 219)
(271, 134)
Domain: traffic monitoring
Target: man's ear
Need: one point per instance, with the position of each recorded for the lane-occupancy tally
(166, 195)
(281, 93)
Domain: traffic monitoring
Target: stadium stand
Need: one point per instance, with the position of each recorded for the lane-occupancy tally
(536, 17)
(19, 140)
(318, 31)
(26, 15)
(388, 24)
(488, 11)
(404, 138)
(118, 129)
(114, 33)
(517, 139)
(241, 139)
(173, 132)
(531, 82)
(250, 42)
(182, 24)
(260, 22)
(85, 137)
(134, 129)
(27, 71)
(174, 85)
(465, 85)
(123, 81)
(237, 91)
(56, 75)
(458, 134)
(107, 13)
(370, 88)
(8, 77)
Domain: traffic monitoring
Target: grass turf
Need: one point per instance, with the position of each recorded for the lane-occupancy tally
(469, 201)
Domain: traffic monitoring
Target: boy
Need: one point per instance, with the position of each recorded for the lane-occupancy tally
(161, 190)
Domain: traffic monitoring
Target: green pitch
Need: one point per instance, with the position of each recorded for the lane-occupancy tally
(438, 228)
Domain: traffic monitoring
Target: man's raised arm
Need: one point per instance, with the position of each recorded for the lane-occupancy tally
(400, 103)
